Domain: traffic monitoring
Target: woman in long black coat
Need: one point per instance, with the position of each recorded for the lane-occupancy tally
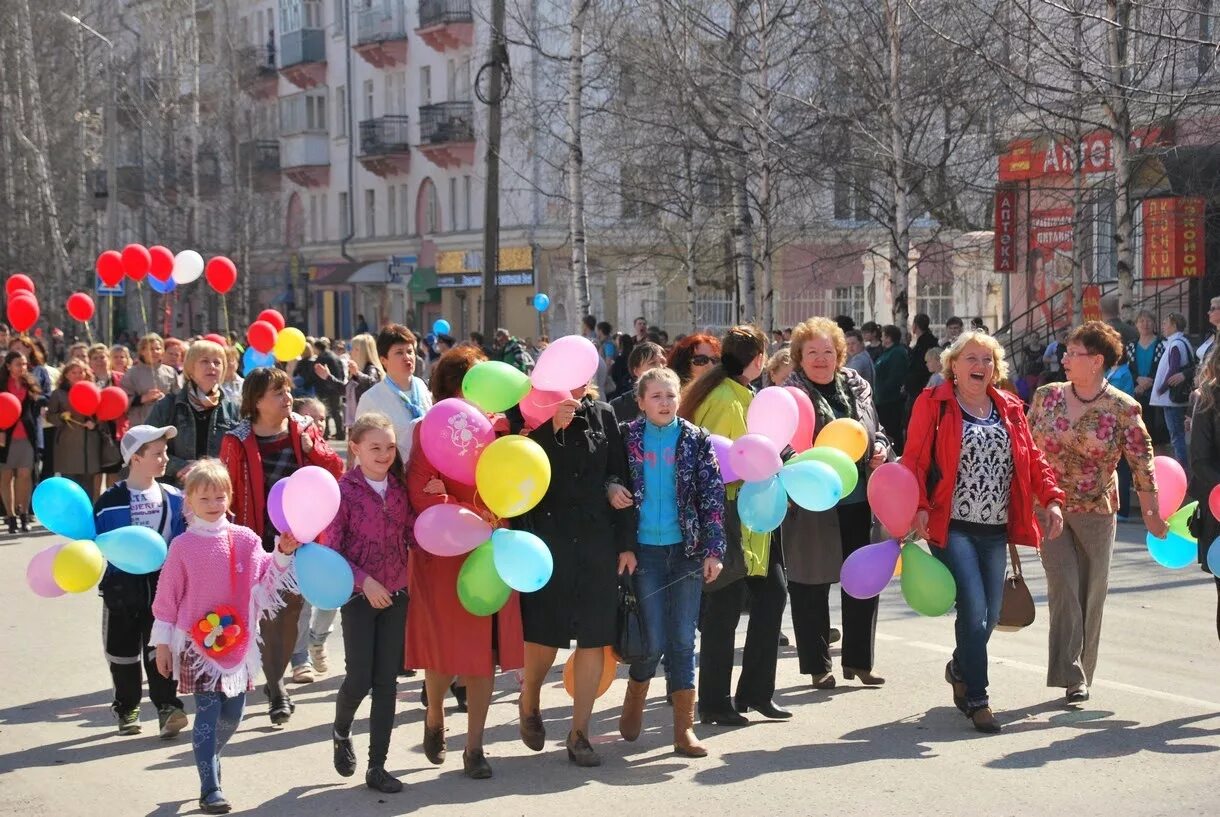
(591, 543)
(1205, 462)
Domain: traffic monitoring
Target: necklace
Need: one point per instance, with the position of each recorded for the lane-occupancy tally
(1092, 399)
(983, 412)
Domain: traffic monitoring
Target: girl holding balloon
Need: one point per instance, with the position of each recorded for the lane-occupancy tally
(21, 404)
(81, 455)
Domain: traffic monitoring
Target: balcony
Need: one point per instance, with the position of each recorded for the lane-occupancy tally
(305, 158)
(384, 149)
(381, 34)
(446, 25)
(256, 71)
(259, 160)
(130, 176)
(446, 133)
(96, 181)
(303, 57)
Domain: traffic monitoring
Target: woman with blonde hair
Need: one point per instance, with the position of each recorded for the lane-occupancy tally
(231, 383)
(363, 372)
(149, 380)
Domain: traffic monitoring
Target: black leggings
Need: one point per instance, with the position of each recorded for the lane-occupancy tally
(373, 642)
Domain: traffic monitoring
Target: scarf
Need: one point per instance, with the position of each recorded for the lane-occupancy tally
(407, 397)
(202, 402)
(844, 397)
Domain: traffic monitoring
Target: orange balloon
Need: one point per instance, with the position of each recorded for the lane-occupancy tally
(847, 435)
(609, 670)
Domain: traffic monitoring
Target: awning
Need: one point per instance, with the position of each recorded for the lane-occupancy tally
(330, 274)
(423, 280)
(377, 272)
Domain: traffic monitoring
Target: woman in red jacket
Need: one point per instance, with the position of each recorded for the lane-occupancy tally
(270, 444)
(978, 473)
(443, 639)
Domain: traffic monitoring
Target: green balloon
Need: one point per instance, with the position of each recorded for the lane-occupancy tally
(495, 386)
(927, 585)
(836, 459)
(1179, 523)
(479, 587)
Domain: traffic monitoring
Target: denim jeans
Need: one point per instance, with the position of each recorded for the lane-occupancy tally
(670, 587)
(978, 563)
(1175, 419)
(313, 628)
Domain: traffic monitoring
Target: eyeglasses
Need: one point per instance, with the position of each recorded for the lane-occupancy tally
(704, 360)
(1081, 354)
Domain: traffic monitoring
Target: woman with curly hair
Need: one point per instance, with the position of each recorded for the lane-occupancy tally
(694, 355)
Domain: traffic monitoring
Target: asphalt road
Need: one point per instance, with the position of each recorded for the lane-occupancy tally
(1144, 745)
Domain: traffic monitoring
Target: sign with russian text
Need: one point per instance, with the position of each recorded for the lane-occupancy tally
(1173, 237)
(1050, 258)
(1005, 230)
(1028, 159)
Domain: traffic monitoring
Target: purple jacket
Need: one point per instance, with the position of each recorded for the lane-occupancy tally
(373, 534)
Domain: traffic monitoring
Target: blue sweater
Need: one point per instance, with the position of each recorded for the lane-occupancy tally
(659, 510)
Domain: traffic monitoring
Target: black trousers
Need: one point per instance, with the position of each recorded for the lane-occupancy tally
(891, 416)
(334, 413)
(720, 616)
(373, 643)
(1218, 606)
(811, 608)
(279, 636)
(125, 635)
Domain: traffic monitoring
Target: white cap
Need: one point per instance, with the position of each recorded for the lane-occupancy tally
(138, 436)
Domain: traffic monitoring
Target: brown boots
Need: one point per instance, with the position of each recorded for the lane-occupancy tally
(631, 721)
(685, 742)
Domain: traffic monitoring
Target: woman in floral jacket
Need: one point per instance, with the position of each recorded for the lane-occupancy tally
(1084, 426)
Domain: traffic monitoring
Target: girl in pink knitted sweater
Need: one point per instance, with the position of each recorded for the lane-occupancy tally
(216, 584)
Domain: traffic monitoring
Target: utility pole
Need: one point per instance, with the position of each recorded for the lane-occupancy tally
(491, 203)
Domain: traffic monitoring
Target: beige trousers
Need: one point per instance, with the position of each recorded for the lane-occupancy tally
(1077, 565)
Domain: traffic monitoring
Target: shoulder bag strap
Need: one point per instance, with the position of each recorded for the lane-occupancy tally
(1016, 560)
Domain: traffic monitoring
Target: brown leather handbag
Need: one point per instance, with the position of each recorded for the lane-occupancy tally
(1017, 610)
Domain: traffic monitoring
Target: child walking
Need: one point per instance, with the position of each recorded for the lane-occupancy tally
(675, 483)
(217, 583)
(372, 530)
(127, 616)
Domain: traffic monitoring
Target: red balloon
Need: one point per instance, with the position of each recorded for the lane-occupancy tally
(23, 311)
(274, 318)
(84, 397)
(18, 283)
(110, 268)
(162, 262)
(220, 340)
(80, 307)
(221, 274)
(10, 410)
(112, 403)
(261, 335)
(136, 261)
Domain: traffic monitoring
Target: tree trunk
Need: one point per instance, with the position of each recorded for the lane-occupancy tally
(1079, 224)
(1118, 114)
(743, 226)
(579, 264)
(900, 227)
(689, 241)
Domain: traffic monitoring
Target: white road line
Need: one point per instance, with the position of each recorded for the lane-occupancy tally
(1210, 706)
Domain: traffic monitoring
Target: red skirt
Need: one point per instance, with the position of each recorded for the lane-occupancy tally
(443, 637)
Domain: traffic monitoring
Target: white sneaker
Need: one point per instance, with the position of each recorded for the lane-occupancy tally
(317, 657)
(303, 674)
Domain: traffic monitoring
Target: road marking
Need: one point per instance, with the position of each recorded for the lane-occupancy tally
(1041, 670)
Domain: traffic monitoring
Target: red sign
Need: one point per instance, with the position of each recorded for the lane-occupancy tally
(1090, 302)
(1005, 230)
(1025, 160)
(1050, 256)
(1173, 237)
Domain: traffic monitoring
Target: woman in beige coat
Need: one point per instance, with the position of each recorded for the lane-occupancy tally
(149, 380)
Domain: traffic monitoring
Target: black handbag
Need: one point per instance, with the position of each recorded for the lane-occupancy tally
(630, 634)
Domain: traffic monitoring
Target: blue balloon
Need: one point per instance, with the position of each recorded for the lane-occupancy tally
(441, 327)
(522, 559)
(542, 302)
(813, 485)
(253, 359)
(1173, 551)
(324, 576)
(762, 505)
(163, 287)
(64, 508)
(1213, 557)
(133, 549)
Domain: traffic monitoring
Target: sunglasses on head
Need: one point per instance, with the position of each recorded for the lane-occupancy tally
(704, 360)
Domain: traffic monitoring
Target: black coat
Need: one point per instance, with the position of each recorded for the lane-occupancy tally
(1205, 472)
(917, 372)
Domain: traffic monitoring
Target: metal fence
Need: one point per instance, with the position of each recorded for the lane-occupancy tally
(711, 315)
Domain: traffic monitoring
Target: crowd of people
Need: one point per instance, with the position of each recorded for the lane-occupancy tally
(637, 492)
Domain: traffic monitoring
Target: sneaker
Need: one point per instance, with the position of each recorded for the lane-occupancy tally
(317, 657)
(303, 674)
(345, 755)
(172, 720)
(214, 803)
(378, 779)
(129, 721)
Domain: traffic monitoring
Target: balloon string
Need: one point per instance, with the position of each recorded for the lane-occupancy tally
(678, 580)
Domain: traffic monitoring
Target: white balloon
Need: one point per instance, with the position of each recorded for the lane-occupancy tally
(188, 266)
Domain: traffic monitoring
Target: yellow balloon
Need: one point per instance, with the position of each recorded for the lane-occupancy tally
(512, 475)
(847, 435)
(289, 344)
(78, 566)
(898, 567)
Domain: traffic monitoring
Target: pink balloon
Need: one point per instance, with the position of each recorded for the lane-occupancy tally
(773, 413)
(567, 364)
(721, 446)
(311, 500)
(754, 458)
(450, 530)
(275, 505)
(802, 440)
(868, 570)
(893, 494)
(1170, 484)
(539, 407)
(38, 574)
(1213, 502)
(454, 434)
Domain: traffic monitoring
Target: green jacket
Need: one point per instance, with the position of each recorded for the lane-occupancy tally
(891, 374)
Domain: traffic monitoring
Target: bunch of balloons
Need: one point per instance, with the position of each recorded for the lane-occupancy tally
(106, 404)
(271, 340)
(23, 310)
(77, 566)
(305, 504)
(1179, 548)
(164, 270)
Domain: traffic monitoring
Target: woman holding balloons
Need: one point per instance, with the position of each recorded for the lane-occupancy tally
(21, 402)
(201, 411)
(817, 542)
(444, 638)
(80, 451)
(149, 380)
(1204, 469)
(978, 473)
(1084, 426)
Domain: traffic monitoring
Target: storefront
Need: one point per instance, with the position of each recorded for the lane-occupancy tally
(459, 278)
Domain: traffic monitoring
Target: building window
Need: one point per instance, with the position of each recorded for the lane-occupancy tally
(935, 299)
(425, 85)
(391, 211)
(323, 217)
(466, 201)
(345, 216)
(313, 218)
(303, 112)
(427, 209)
(453, 203)
(403, 193)
(852, 193)
(368, 99)
(847, 301)
(340, 18)
(341, 112)
(370, 213)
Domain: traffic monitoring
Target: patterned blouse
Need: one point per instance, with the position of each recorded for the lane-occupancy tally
(1085, 453)
(984, 475)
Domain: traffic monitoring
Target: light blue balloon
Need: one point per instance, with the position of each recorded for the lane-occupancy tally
(542, 302)
(1174, 551)
(441, 327)
(253, 359)
(64, 508)
(522, 559)
(164, 287)
(813, 485)
(133, 549)
(762, 505)
(324, 576)
(1213, 557)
